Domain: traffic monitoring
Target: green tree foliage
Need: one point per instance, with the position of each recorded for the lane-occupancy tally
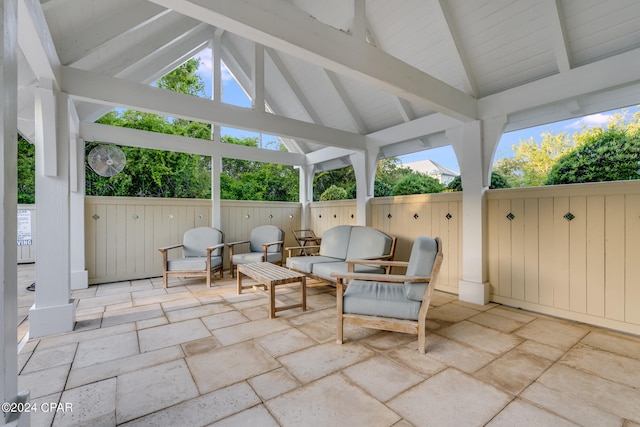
(607, 154)
(26, 172)
(497, 181)
(333, 193)
(155, 173)
(343, 178)
(249, 180)
(531, 162)
(417, 183)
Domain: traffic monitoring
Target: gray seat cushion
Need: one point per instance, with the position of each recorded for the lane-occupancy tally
(335, 242)
(249, 257)
(379, 299)
(305, 263)
(196, 241)
(265, 234)
(367, 242)
(423, 255)
(325, 269)
(194, 263)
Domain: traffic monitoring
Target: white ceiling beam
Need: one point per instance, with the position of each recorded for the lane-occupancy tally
(607, 74)
(139, 13)
(176, 34)
(348, 103)
(97, 88)
(182, 144)
(414, 129)
(442, 14)
(241, 71)
(274, 23)
(326, 154)
(36, 42)
(359, 28)
(294, 86)
(558, 34)
(158, 58)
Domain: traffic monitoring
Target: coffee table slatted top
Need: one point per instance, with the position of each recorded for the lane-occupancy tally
(268, 272)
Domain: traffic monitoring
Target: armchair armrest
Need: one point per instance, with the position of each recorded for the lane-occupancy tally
(376, 261)
(166, 248)
(389, 278)
(236, 243)
(214, 247)
(279, 242)
(383, 261)
(164, 251)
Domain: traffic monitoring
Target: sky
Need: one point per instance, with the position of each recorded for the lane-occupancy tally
(232, 93)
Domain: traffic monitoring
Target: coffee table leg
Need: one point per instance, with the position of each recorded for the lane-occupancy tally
(272, 301)
(303, 286)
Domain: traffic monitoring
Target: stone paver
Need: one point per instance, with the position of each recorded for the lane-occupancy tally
(350, 406)
(450, 398)
(191, 355)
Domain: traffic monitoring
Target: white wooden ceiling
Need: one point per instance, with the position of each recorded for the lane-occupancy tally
(349, 74)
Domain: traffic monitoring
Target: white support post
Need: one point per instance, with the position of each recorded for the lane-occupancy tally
(79, 275)
(472, 143)
(216, 170)
(364, 167)
(306, 193)
(8, 212)
(53, 311)
(216, 159)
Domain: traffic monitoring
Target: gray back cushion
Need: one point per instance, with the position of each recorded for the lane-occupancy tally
(265, 234)
(423, 255)
(366, 242)
(335, 242)
(197, 240)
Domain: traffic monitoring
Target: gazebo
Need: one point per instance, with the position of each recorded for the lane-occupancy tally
(340, 82)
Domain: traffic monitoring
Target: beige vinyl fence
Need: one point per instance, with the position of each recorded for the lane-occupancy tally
(122, 234)
(570, 251)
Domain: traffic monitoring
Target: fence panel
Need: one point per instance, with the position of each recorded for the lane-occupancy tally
(569, 251)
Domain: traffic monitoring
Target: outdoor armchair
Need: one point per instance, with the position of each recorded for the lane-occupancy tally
(266, 244)
(391, 302)
(202, 255)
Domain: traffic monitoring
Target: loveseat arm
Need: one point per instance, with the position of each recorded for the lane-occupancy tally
(302, 248)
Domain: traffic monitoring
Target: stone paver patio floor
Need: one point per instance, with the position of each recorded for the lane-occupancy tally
(190, 355)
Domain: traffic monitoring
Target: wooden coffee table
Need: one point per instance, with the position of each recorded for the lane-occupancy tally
(269, 276)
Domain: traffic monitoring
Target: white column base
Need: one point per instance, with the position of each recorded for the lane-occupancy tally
(79, 279)
(473, 292)
(51, 320)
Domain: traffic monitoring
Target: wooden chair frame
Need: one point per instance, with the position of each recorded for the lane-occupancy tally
(233, 267)
(208, 272)
(415, 327)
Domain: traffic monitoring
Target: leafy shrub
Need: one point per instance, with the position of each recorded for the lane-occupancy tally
(497, 181)
(334, 193)
(611, 154)
(417, 184)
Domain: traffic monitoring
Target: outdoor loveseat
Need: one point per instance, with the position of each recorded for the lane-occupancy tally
(342, 243)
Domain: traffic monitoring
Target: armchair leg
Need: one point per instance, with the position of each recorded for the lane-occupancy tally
(339, 309)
